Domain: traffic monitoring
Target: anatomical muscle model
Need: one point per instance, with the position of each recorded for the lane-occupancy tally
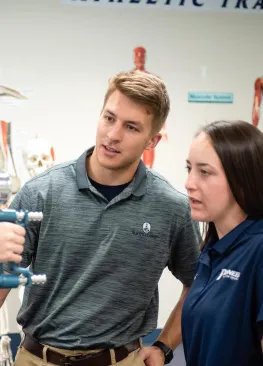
(257, 100)
(139, 58)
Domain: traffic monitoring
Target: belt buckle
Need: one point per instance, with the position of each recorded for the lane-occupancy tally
(66, 360)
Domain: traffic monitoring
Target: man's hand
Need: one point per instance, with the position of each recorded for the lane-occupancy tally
(152, 356)
(12, 239)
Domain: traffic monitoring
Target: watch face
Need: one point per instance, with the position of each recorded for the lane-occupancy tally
(169, 356)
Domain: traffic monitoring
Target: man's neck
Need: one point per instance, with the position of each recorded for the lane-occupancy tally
(109, 177)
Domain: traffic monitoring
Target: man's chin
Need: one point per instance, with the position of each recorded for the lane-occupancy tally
(107, 163)
(114, 165)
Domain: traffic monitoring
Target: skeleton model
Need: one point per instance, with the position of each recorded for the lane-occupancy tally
(257, 100)
(139, 58)
(38, 156)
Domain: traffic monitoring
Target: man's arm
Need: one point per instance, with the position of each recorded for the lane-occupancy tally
(171, 334)
(182, 263)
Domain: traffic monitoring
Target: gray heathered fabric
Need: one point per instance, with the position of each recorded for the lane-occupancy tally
(102, 268)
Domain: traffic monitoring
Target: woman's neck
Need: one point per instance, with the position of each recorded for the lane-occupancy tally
(229, 222)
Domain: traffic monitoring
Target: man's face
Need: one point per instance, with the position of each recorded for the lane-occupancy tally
(124, 132)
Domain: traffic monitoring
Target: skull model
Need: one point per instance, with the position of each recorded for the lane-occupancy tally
(38, 156)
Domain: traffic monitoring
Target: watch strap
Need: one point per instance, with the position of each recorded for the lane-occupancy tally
(168, 352)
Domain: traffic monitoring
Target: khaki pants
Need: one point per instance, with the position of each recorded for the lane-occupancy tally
(25, 358)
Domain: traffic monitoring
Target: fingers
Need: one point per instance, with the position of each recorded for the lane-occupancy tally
(13, 250)
(8, 228)
(152, 356)
(13, 233)
(14, 258)
(10, 254)
(17, 248)
(19, 230)
(12, 239)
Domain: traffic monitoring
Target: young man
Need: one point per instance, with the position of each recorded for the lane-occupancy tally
(110, 227)
(12, 238)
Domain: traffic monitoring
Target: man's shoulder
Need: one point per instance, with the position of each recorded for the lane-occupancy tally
(53, 174)
(161, 186)
(45, 186)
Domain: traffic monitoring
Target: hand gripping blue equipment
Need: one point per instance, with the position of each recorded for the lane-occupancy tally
(18, 275)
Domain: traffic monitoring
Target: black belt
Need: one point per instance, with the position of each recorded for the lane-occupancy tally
(101, 358)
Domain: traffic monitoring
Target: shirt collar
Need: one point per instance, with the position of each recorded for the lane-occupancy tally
(232, 238)
(138, 184)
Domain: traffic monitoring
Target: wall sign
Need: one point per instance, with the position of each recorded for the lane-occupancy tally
(247, 6)
(208, 97)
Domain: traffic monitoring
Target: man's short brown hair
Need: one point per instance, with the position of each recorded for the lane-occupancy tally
(145, 89)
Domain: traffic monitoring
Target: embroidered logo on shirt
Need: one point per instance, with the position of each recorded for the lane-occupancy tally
(146, 227)
(228, 273)
(146, 231)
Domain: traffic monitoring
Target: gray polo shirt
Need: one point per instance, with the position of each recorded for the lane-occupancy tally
(103, 260)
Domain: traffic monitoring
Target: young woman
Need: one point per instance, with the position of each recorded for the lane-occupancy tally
(223, 312)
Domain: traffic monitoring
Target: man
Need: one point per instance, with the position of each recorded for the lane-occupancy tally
(12, 238)
(110, 227)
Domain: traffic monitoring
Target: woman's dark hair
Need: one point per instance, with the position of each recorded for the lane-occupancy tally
(239, 146)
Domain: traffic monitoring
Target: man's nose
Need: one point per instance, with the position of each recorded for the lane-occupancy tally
(116, 132)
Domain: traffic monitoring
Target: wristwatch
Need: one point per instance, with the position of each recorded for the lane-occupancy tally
(168, 352)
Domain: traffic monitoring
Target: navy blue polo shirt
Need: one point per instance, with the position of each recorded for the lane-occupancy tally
(223, 311)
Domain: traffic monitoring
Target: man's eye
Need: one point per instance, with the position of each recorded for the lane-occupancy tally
(108, 118)
(132, 128)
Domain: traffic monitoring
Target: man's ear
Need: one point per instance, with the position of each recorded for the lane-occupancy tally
(153, 141)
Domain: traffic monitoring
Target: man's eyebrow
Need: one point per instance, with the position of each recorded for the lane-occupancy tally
(110, 112)
(136, 123)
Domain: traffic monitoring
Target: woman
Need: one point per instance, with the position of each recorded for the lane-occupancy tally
(223, 313)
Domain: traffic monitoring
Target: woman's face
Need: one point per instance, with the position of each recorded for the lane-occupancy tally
(208, 190)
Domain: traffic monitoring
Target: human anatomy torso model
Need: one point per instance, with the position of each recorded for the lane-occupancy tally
(139, 54)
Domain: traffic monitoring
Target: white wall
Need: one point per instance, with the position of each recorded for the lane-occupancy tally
(62, 57)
